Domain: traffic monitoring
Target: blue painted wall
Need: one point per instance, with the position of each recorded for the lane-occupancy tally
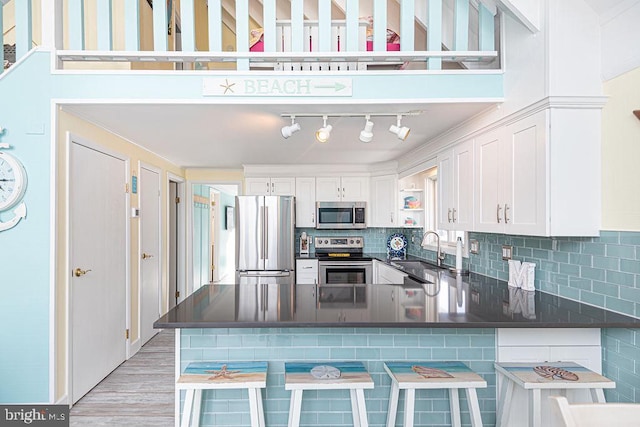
(25, 250)
(372, 346)
(201, 233)
(226, 239)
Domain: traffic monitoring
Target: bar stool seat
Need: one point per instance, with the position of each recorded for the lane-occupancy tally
(535, 377)
(412, 376)
(352, 376)
(200, 376)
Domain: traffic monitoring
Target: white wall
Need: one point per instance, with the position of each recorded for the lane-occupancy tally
(620, 35)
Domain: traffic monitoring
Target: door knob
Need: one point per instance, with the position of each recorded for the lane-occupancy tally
(78, 272)
(145, 256)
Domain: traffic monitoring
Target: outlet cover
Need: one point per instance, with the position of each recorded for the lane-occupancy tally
(506, 252)
(474, 247)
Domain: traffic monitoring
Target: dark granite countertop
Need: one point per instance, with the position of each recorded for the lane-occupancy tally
(470, 301)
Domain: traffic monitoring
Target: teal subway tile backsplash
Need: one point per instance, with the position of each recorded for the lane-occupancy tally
(602, 271)
(608, 261)
(476, 347)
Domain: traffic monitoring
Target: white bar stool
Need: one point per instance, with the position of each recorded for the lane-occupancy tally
(412, 376)
(535, 377)
(200, 376)
(352, 376)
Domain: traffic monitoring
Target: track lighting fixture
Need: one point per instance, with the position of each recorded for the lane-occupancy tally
(324, 133)
(366, 134)
(398, 130)
(287, 131)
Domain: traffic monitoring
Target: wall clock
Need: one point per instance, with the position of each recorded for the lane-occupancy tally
(13, 184)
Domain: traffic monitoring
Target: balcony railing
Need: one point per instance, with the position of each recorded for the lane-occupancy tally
(246, 35)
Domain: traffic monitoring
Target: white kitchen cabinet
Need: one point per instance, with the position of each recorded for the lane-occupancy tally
(307, 271)
(282, 186)
(455, 187)
(511, 178)
(305, 202)
(382, 209)
(385, 274)
(346, 188)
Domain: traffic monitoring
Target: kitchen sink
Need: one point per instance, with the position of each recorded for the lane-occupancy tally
(413, 265)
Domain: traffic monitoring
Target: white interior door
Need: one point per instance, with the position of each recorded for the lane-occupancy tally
(214, 196)
(149, 252)
(98, 248)
(172, 260)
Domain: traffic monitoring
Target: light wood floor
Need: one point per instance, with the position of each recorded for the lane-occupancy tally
(140, 392)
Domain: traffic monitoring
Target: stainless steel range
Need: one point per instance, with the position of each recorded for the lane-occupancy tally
(341, 261)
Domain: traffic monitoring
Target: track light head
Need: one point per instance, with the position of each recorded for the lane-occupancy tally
(324, 133)
(287, 131)
(366, 134)
(401, 132)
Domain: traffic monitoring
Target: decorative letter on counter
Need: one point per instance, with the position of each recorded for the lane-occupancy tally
(522, 275)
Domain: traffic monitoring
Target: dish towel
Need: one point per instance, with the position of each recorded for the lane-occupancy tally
(522, 275)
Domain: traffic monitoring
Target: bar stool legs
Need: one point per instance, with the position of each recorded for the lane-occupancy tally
(350, 376)
(452, 376)
(199, 376)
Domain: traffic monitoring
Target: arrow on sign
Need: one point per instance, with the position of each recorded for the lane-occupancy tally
(336, 86)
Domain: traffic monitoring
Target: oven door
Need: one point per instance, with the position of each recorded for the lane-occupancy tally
(345, 272)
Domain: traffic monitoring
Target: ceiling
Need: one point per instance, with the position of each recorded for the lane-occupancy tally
(229, 136)
(609, 8)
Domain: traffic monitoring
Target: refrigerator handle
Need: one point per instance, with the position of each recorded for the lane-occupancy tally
(266, 232)
(262, 240)
(265, 292)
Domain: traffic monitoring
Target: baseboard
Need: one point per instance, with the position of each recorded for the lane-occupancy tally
(64, 400)
(134, 347)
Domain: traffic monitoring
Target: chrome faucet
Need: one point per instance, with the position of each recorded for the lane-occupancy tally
(439, 255)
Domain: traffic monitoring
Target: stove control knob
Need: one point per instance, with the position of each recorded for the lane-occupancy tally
(326, 242)
(351, 241)
(358, 241)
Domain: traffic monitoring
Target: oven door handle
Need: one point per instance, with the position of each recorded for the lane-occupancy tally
(345, 263)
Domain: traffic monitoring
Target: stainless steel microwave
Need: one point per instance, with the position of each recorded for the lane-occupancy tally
(341, 215)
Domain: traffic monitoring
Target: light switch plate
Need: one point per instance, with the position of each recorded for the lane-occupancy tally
(474, 247)
(506, 252)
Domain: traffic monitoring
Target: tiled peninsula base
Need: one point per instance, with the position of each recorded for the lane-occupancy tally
(372, 346)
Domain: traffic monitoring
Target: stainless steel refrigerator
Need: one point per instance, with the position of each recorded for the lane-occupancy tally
(265, 257)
